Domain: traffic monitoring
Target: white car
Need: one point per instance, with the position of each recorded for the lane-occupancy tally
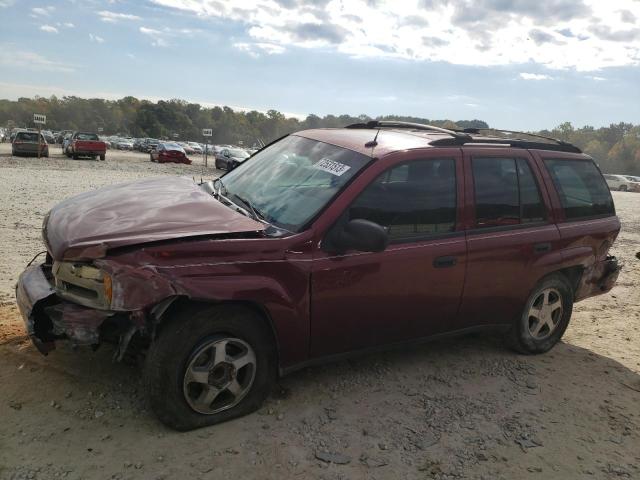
(618, 182)
(196, 147)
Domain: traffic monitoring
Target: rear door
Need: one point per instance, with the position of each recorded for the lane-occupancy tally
(512, 239)
(413, 288)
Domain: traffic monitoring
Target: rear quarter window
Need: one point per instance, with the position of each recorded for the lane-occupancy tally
(582, 189)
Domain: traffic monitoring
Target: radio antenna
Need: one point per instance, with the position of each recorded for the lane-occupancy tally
(373, 142)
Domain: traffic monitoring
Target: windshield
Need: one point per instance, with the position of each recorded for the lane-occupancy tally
(293, 179)
(173, 146)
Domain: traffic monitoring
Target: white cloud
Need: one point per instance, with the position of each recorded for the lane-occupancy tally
(112, 17)
(6, 3)
(157, 37)
(96, 38)
(42, 11)
(13, 56)
(255, 49)
(586, 35)
(597, 79)
(49, 29)
(535, 76)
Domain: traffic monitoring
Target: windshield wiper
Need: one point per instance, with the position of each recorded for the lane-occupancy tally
(257, 214)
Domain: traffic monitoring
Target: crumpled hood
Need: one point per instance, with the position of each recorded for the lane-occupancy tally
(87, 225)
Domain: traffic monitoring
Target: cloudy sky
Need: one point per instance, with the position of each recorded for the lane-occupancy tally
(525, 64)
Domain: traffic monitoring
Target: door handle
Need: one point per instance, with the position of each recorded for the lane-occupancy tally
(444, 262)
(542, 247)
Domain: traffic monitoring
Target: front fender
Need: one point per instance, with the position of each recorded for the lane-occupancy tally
(283, 294)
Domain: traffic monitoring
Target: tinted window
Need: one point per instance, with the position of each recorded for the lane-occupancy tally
(29, 137)
(412, 200)
(506, 192)
(531, 207)
(582, 190)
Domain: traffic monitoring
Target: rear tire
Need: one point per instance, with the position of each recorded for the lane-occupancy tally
(103, 157)
(545, 317)
(623, 188)
(188, 345)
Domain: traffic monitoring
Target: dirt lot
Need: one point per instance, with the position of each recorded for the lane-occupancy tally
(461, 408)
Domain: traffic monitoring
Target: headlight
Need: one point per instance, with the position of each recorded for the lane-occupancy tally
(83, 284)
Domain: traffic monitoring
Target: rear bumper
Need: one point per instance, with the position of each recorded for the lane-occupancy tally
(90, 152)
(29, 148)
(48, 318)
(598, 279)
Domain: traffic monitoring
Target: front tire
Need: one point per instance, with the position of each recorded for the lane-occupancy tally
(545, 317)
(209, 364)
(623, 188)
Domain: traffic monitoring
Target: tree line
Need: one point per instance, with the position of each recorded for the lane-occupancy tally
(616, 147)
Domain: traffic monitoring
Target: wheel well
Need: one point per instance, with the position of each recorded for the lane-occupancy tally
(573, 275)
(180, 303)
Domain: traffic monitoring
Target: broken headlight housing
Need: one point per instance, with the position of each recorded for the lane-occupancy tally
(84, 284)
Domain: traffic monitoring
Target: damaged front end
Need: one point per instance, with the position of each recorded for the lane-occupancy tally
(70, 301)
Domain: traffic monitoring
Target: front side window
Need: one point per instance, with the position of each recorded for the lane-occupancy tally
(582, 190)
(291, 181)
(412, 200)
(506, 192)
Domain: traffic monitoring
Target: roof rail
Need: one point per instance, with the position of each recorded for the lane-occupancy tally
(502, 142)
(534, 135)
(409, 125)
(464, 137)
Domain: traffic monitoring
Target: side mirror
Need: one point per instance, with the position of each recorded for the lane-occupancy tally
(358, 234)
(225, 154)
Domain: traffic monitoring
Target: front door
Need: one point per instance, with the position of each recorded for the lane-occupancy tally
(413, 288)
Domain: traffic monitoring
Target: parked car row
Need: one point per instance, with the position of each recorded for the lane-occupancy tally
(623, 183)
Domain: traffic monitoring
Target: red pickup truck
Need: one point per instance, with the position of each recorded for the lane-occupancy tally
(85, 144)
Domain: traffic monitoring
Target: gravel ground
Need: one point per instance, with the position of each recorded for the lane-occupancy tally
(461, 408)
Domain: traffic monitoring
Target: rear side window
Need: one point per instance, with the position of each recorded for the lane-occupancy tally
(582, 190)
(413, 200)
(506, 193)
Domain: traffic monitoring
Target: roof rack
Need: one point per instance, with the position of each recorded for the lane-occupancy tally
(505, 142)
(409, 125)
(499, 130)
(464, 137)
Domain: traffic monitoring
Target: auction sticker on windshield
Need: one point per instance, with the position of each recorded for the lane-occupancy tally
(331, 166)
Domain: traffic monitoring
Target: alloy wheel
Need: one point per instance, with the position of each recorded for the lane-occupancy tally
(545, 313)
(219, 375)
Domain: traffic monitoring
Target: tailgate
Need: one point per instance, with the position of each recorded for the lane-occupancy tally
(88, 145)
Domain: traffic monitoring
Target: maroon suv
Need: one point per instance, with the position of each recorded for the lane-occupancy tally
(325, 243)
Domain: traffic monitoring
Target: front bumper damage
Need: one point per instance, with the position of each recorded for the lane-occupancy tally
(49, 318)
